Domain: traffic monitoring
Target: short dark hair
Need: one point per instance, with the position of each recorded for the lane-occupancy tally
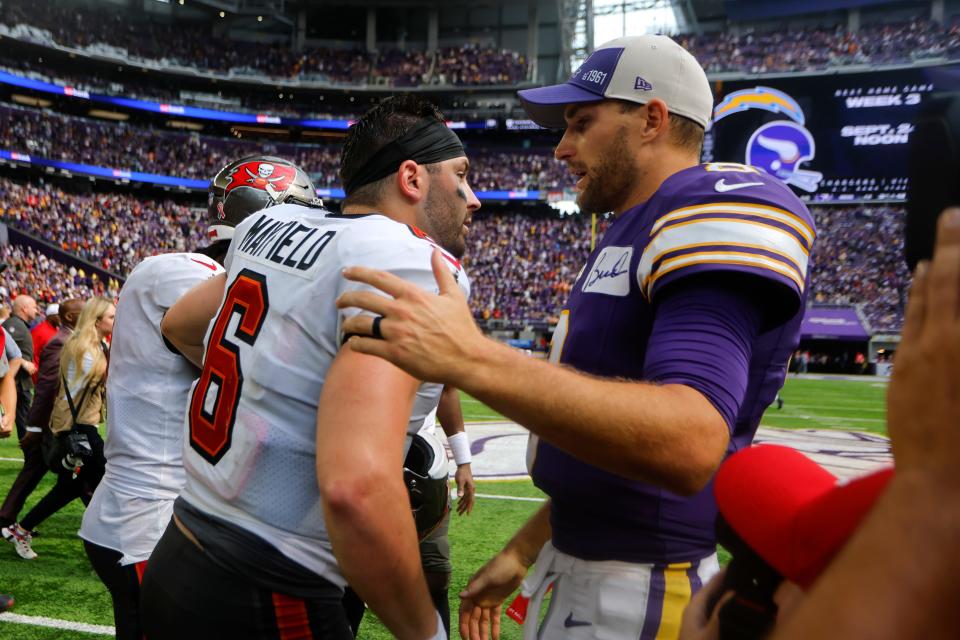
(684, 132)
(390, 119)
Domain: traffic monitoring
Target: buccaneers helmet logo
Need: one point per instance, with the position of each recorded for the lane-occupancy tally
(273, 178)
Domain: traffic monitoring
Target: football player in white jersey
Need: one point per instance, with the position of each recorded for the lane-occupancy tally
(147, 392)
(294, 448)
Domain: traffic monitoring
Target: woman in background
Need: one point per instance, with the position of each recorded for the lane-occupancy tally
(78, 407)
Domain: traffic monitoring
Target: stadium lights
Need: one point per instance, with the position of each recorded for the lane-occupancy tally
(565, 207)
(259, 18)
(108, 115)
(223, 14)
(183, 124)
(30, 101)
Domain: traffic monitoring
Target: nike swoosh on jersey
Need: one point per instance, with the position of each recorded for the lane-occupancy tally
(723, 187)
(570, 622)
(208, 265)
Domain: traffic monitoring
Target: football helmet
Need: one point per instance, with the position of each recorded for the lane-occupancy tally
(425, 475)
(251, 184)
(779, 148)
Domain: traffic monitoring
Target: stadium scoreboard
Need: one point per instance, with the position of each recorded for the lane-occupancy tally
(834, 137)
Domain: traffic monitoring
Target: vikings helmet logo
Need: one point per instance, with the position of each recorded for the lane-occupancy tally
(274, 178)
(779, 148)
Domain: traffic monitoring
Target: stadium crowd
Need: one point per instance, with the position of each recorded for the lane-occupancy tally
(48, 280)
(521, 265)
(858, 257)
(750, 51)
(111, 230)
(191, 46)
(818, 48)
(130, 147)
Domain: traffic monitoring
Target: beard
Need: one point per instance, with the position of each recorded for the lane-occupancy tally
(445, 226)
(609, 184)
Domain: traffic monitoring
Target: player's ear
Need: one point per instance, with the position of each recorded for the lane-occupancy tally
(410, 181)
(656, 120)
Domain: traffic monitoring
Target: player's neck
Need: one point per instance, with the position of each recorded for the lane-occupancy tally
(392, 208)
(653, 175)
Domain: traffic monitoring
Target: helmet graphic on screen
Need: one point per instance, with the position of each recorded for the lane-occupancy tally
(777, 147)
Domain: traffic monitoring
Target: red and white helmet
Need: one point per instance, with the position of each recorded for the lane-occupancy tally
(251, 184)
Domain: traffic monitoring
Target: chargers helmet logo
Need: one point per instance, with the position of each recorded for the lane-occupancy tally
(765, 98)
(779, 148)
(273, 177)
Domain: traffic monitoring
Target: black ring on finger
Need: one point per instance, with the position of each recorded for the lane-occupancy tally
(375, 330)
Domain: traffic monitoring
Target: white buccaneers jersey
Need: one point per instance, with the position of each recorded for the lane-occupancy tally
(250, 453)
(147, 393)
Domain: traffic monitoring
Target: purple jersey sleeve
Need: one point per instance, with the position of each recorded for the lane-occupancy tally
(702, 337)
(734, 221)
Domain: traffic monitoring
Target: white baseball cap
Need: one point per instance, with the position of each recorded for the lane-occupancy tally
(635, 69)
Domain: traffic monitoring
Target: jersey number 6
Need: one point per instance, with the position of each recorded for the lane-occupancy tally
(213, 406)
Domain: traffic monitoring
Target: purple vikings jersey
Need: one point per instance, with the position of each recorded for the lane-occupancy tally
(716, 218)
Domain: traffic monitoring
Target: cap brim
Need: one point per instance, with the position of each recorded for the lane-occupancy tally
(790, 510)
(545, 105)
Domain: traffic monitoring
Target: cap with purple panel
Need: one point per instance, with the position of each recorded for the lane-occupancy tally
(635, 69)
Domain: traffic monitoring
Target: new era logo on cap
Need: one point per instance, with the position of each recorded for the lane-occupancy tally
(642, 85)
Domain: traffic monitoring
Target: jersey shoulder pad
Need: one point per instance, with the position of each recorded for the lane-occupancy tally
(727, 217)
(381, 243)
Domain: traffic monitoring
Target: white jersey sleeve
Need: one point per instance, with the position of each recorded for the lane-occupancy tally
(147, 393)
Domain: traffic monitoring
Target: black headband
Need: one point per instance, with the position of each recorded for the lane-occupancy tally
(429, 141)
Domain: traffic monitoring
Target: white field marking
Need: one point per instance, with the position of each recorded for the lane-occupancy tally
(823, 418)
(813, 406)
(11, 459)
(519, 498)
(53, 623)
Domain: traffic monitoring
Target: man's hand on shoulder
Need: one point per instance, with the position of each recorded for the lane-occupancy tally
(431, 337)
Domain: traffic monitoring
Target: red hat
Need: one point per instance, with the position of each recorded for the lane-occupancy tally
(791, 511)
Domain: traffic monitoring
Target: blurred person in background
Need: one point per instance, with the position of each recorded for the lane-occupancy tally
(38, 420)
(43, 332)
(77, 411)
(24, 312)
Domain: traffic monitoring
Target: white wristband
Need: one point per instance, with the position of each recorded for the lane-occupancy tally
(441, 633)
(460, 446)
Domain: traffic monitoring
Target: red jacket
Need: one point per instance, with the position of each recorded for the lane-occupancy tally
(41, 334)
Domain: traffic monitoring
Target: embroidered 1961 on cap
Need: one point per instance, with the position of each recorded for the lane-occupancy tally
(635, 69)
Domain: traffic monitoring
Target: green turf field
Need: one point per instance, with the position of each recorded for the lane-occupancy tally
(60, 583)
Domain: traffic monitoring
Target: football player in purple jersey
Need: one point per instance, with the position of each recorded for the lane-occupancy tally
(675, 339)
